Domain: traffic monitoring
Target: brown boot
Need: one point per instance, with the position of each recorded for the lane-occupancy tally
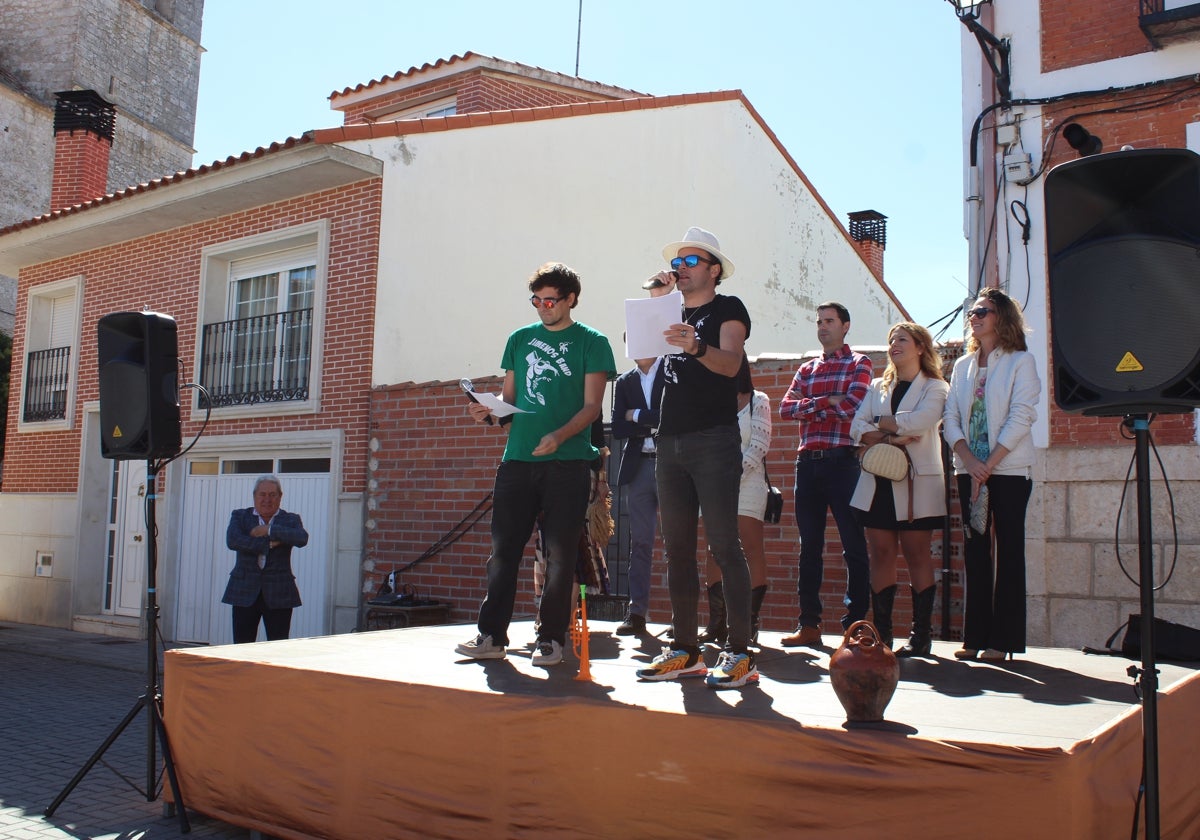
(803, 637)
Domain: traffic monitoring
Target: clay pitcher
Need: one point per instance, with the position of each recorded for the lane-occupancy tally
(864, 673)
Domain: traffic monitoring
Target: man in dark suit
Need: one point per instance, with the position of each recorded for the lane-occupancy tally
(638, 393)
(261, 585)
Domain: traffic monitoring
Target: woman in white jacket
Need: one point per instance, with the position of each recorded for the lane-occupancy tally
(993, 400)
(904, 408)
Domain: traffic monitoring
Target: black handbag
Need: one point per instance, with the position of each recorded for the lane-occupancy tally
(774, 511)
(1174, 642)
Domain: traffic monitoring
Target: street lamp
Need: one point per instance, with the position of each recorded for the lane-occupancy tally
(996, 51)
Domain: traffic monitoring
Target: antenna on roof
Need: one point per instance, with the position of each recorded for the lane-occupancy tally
(578, 37)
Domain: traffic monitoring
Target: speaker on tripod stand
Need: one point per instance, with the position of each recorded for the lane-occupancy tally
(138, 354)
(1123, 244)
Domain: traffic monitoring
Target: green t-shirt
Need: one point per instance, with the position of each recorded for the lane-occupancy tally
(549, 369)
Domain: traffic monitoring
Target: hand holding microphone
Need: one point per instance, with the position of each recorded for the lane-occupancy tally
(661, 283)
(482, 413)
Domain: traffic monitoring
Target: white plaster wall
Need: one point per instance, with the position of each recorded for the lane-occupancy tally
(32, 523)
(469, 214)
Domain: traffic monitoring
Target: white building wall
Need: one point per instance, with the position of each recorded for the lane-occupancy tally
(469, 214)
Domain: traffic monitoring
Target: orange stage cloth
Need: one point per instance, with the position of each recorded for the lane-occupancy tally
(385, 735)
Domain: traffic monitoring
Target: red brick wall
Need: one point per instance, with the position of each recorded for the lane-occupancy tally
(80, 168)
(475, 92)
(1161, 127)
(162, 272)
(434, 465)
(1076, 32)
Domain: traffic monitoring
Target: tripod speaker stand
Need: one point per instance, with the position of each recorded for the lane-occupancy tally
(151, 699)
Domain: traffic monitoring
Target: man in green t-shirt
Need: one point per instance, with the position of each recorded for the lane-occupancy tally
(555, 371)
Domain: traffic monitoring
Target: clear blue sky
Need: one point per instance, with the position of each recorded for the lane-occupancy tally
(864, 94)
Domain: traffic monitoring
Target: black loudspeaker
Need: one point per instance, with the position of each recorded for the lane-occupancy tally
(1123, 242)
(139, 386)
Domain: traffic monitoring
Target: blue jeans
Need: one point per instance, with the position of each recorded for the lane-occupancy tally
(995, 610)
(559, 491)
(698, 474)
(827, 484)
(641, 499)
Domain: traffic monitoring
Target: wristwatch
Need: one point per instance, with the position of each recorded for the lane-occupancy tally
(701, 347)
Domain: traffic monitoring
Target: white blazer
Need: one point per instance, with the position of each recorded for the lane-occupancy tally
(919, 413)
(1011, 397)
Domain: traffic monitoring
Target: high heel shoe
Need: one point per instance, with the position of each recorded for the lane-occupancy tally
(993, 655)
(966, 653)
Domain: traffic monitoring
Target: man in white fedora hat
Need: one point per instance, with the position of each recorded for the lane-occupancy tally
(700, 458)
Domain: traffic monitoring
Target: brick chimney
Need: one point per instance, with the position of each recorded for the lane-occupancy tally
(83, 136)
(868, 229)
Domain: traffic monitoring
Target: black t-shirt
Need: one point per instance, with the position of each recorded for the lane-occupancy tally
(694, 397)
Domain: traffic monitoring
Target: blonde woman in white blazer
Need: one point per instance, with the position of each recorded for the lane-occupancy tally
(994, 391)
(904, 407)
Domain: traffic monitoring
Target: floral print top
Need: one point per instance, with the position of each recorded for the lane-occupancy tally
(977, 428)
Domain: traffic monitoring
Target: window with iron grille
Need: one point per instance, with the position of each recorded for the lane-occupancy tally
(262, 352)
(51, 354)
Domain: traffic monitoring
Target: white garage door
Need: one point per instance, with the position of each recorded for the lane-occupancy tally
(205, 561)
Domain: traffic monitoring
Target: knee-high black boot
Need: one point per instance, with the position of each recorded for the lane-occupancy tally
(921, 642)
(757, 594)
(716, 631)
(881, 609)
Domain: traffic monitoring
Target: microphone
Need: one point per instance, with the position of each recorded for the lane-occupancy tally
(469, 389)
(655, 283)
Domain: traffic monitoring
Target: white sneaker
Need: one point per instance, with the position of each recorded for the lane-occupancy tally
(481, 647)
(547, 652)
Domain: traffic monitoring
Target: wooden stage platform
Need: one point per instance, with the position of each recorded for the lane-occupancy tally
(391, 734)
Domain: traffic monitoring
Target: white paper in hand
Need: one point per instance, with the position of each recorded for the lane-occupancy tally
(498, 406)
(646, 319)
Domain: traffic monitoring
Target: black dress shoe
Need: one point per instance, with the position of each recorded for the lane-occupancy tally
(633, 625)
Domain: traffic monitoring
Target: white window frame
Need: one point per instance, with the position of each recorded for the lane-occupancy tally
(443, 106)
(215, 289)
(39, 309)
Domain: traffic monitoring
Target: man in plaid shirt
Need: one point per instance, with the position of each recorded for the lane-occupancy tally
(823, 397)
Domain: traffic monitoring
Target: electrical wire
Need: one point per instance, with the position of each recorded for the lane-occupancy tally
(1121, 507)
(456, 533)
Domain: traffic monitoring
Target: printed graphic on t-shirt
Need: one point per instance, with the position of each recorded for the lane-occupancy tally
(671, 362)
(545, 364)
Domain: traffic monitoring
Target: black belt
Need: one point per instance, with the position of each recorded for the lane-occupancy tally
(646, 454)
(818, 454)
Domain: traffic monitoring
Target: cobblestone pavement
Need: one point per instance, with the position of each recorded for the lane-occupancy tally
(61, 694)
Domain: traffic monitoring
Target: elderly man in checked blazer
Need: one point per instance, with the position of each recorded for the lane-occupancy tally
(261, 585)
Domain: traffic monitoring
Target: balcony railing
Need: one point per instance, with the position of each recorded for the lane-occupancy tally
(1163, 26)
(255, 360)
(47, 375)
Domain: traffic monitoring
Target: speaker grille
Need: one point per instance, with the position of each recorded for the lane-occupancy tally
(1126, 312)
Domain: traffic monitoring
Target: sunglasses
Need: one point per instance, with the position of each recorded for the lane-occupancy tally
(546, 302)
(691, 261)
(979, 312)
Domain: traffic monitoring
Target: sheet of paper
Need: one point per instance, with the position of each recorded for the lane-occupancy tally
(498, 406)
(646, 319)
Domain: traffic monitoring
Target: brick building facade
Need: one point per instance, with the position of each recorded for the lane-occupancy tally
(1124, 71)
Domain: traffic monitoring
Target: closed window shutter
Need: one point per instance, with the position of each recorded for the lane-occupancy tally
(62, 321)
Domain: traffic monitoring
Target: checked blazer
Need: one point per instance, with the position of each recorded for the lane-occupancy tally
(275, 580)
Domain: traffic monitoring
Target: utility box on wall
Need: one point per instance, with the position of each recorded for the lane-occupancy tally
(43, 565)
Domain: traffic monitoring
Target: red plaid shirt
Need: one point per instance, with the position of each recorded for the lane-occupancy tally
(824, 426)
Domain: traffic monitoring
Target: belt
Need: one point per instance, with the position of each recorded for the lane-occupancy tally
(646, 454)
(818, 454)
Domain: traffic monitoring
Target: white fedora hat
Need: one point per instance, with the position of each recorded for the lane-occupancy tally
(697, 237)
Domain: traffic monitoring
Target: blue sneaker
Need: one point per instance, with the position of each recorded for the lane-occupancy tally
(673, 664)
(733, 670)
